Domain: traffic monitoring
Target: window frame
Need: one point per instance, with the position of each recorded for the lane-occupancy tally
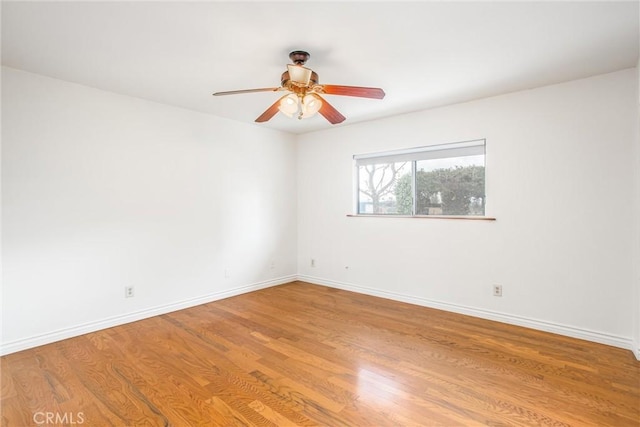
(413, 155)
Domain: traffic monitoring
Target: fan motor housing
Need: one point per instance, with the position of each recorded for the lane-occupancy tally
(298, 57)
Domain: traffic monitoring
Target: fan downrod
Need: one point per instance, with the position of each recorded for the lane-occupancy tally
(299, 57)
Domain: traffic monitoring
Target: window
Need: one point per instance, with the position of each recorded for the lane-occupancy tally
(446, 179)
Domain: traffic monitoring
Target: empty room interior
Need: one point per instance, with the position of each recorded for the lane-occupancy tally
(320, 213)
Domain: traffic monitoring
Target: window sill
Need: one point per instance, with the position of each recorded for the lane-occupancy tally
(470, 217)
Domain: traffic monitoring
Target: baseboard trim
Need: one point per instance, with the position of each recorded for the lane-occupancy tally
(556, 328)
(61, 334)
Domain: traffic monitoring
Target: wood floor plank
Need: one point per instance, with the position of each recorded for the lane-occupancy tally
(275, 417)
(306, 355)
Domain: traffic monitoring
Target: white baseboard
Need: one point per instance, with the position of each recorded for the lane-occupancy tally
(61, 334)
(541, 325)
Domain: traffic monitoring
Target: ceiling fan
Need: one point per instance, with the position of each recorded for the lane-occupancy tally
(303, 99)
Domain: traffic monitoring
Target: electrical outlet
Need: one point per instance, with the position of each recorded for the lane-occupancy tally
(313, 262)
(497, 290)
(128, 292)
(227, 273)
(272, 265)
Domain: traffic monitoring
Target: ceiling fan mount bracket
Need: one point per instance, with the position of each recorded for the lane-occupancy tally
(299, 57)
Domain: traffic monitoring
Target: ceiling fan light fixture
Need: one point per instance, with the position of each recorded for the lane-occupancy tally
(299, 74)
(310, 105)
(289, 105)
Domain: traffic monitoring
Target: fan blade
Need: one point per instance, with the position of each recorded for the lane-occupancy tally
(329, 112)
(270, 112)
(362, 92)
(235, 92)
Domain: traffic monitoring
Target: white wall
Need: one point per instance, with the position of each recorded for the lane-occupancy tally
(559, 182)
(103, 191)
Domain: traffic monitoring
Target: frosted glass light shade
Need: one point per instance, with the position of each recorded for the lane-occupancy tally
(289, 105)
(299, 74)
(310, 105)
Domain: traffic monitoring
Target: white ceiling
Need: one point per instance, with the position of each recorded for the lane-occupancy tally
(423, 54)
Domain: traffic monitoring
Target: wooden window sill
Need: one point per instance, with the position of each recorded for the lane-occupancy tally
(468, 217)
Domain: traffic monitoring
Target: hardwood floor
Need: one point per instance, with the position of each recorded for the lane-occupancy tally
(300, 354)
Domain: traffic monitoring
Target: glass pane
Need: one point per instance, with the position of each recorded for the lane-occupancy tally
(451, 186)
(385, 189)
